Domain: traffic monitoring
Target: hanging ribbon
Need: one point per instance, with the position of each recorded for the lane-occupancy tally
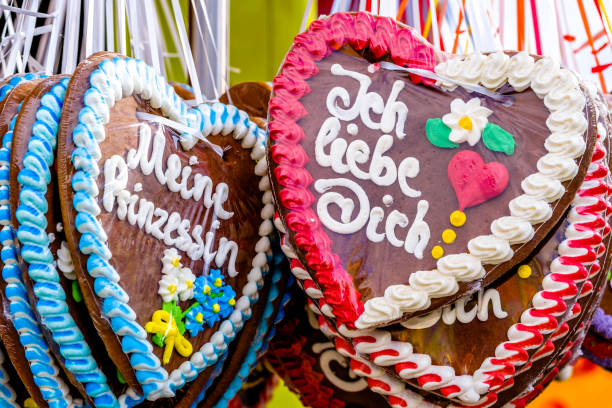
(186, 49)
(401, 10)
(536, 27)
(458, 30)
(604, 20)
(183, 130)
(53, 41)
(520, 22)
(504, 99)
(591, 42)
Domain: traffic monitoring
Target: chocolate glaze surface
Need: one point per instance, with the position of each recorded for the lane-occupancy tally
(136, 254)
(525, 120)
(21, 136)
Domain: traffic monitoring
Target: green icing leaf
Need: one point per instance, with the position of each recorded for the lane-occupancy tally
(176, 313)
(76, 292)
(120, 377)
(497, 139)
(437, 133)
(158, 339)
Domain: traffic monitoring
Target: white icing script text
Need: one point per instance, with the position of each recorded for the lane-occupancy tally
(344, 157)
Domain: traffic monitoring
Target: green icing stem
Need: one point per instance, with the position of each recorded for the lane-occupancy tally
(120, 377)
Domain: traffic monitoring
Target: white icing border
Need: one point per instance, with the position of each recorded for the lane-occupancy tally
(559, 88)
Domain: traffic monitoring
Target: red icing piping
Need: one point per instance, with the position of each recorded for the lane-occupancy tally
(383, 37)
(405, 48)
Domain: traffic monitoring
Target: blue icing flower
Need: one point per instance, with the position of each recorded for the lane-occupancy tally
(216, 299)
(227, 300)
(195, 320)
(202, 289)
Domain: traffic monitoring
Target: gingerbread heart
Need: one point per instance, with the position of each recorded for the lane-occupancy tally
(39, 365)
(358, 164)
(473, 328)
(328, 262)
(166, 220)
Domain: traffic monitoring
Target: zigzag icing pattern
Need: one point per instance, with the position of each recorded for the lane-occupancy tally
(587, 217)
(46, 374)
(51, 304)
(7, 393)
(566, 122)
(112, 80)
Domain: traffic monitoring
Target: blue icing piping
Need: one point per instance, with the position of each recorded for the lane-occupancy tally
(44, 371)
(260, 343)
(112, 80)
(51, 304)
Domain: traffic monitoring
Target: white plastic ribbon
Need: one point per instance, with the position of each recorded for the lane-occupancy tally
(180, 127)
(186, 48)
(506, 100)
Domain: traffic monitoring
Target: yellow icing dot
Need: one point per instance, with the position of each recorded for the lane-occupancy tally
(437, 252)
(457, 218)
(524, 271)
(218, 282)
(175, 262)
(199, 318)
(448, 236)
(206, 289)
(216, 308)
(29, 403)
(232, 302)
(172, 288)
(189, 284)
(466, 123)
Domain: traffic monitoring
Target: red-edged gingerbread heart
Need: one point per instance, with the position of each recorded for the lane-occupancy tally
(369, 205)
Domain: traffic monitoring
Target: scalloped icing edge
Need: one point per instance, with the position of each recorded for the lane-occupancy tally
(313, 45)
(377, 344)
(23, 316)
(31, 249)
(215, 119)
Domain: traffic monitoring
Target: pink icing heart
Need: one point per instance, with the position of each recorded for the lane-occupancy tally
(474, 181)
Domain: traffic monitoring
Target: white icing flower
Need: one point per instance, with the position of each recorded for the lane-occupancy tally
(171, 262)
(169, 287)
(466, 120)
(186, 280)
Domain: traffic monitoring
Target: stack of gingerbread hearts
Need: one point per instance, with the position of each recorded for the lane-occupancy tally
(139, 258)
(597, 345)
(446, 215)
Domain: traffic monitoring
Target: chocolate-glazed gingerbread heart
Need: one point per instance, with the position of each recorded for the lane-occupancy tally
(386, 350)
(21, 334)
(524, 351)
(358, 157)
(167, 230)
(43, 253)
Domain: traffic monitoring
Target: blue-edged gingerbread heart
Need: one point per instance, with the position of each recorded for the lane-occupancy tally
(166, 217)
